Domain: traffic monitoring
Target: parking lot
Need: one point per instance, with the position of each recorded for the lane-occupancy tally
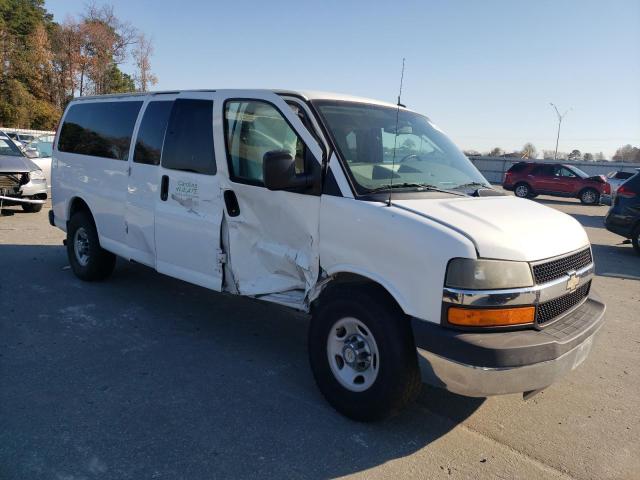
(144, 376)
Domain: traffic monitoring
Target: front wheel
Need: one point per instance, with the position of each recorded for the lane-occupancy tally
(362, 354)
(590, 197)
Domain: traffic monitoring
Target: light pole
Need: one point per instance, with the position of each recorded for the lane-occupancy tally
(560, 117)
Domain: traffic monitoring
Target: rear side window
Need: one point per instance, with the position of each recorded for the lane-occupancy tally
(634, 181)
(518, 167)
(188, 143)
(623, 175)
(99, 129)
(548, 170)
(151, 133)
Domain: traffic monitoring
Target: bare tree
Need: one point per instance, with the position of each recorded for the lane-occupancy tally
(496, 152)
(142, 53)
(600, 157)
(107, 42)
(529, 151)
(627, 153)
(587, 157)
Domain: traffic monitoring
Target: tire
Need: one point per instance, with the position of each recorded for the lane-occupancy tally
(88, 260)
(589, 196)
(31, 207)
(635, 239)
(522, 190)
(392, 378)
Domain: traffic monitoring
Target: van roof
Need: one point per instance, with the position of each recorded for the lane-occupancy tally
(306, 94)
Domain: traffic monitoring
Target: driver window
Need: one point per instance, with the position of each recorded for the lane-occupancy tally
(565, 172)
(254, 128)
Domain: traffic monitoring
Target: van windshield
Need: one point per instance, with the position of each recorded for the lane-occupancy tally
(377, 158)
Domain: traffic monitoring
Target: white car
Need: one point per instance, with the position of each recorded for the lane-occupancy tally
(617, 178)
(361, 212)
(39, 151)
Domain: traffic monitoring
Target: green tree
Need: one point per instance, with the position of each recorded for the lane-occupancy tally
(44, 64)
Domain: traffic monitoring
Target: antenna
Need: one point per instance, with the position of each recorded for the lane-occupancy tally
(395, 139)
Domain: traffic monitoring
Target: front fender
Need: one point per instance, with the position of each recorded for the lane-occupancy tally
(405, 253)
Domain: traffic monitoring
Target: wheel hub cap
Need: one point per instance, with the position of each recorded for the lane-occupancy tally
(81, 246)
(356, 353)
(353, 354)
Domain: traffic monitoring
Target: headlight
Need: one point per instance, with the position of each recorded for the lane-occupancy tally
(36, 175)
(469, 274)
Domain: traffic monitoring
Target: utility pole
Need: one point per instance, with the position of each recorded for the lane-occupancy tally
(560, 117)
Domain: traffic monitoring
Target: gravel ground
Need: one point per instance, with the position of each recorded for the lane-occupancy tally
(144, 376)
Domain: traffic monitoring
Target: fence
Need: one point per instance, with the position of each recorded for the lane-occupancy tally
(26, 131)
(494, 168)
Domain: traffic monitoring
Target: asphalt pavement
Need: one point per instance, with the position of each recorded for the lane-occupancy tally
(143, 376)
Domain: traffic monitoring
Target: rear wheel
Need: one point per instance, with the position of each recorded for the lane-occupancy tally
(31, 207)
(635, 239)
(88, 260)
(590, 196)
(362, 354)
(522, 190)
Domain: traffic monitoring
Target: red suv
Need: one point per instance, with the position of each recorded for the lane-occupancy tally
(528, 180)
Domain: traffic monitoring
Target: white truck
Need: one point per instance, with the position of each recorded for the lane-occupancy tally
(361, 212)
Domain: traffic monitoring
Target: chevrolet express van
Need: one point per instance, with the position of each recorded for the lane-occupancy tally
(361, 212)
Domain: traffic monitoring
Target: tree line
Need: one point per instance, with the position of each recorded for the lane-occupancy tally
(626, 154)
(44, 64)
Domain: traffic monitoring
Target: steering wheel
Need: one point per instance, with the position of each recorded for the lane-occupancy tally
(407, 157)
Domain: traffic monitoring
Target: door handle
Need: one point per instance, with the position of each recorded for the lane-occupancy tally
(164, 188)
(231, 202)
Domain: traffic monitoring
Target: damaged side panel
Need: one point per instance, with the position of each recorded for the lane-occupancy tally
(273, 245)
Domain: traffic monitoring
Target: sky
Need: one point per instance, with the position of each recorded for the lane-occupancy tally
(483, 71)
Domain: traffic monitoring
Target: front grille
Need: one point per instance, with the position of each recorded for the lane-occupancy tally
(546, 272)
(554, 308)
(9, 183)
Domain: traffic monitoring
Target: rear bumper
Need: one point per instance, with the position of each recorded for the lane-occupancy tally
(484, 364)
(619, 224)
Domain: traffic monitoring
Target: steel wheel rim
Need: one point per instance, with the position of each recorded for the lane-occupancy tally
(353, 354)
(81, 246)
(522, 191)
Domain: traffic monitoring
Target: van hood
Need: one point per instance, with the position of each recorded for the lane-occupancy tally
(504, 227)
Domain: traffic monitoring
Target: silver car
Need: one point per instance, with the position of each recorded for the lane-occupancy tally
(39, 150)
(22, 182)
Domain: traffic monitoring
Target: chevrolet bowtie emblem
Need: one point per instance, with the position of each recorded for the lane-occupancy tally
(573, 282)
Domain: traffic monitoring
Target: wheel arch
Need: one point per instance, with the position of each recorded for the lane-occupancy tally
(357, 279)
(78, 204)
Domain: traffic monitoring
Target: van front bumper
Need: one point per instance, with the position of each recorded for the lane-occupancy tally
(496, 363)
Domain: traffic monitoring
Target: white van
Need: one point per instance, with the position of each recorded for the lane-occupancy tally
(360, 212)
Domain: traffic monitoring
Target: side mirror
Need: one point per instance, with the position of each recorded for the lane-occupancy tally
(279, 172)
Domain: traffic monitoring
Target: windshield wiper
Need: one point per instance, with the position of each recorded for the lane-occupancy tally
(471, 184)
(426, 187)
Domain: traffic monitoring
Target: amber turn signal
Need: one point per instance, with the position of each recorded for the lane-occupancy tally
(494, 317)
